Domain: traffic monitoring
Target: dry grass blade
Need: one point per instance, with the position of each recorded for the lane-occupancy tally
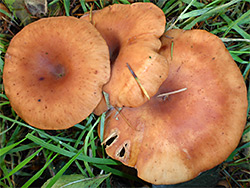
(138, 81)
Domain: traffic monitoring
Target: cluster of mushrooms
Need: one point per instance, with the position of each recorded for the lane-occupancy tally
(176, 103)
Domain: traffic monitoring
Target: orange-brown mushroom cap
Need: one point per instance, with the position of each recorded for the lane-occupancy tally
(54, 72)
(171, 140)
(132, 33)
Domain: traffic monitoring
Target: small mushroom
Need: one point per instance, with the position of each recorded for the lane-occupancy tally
(54, 72)
(132, 33)
(175, 136)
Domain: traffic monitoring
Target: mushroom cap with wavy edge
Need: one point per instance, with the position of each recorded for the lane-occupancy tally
(54, 72)
(171, 140)
(132, 33)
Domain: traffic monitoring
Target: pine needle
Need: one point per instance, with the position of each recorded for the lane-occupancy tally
(137, 80)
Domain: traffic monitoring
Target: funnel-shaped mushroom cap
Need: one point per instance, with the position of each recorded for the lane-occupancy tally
(54, 72)
(132, 33)
(172, 139)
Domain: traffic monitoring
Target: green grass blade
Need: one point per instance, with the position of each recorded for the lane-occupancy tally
(244, 34)
(245, 180)
(210, 13)
(234, 40)
(5, 131)
(23, 148)
(179, 17)
(39, 173)
(15, 134)
(53, 2)
(89, 120)
(213, 3)
(160, 3)
(81, 169)
(3, 96)
(116, 172)
(244, 16)
(64, 168)
(230, 158)
(22, 164)
(41, 132)
(1, 70)
(7, 14)
(83, 6)
(238, 59)
(17, 122)
(227, 174)
(195, 3)
(4, 103)
(171, 5)
(5, 170)
(66, 4)
(102, 122)
(68, 153)
(194, 13)
(239, 52)
(80, 126)
(85, 148)
(247, 129)
(93, 147)
(8, 148)
(3, 185)
(124, 1)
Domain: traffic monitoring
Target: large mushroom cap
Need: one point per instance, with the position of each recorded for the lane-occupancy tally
(54, 72)
(171, 140)
(132, 33)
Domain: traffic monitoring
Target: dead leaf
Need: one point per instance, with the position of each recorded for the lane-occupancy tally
(37, 7)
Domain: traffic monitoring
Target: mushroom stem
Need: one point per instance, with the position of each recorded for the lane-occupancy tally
(171, 93)
(137, 80)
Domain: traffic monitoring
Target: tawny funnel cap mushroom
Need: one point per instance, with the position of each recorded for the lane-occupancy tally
(132, 33)
(54, 72)
(172, 138)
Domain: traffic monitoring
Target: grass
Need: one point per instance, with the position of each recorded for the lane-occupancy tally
(29, 156)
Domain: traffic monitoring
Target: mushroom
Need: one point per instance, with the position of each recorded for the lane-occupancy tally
(175, 136)
(54, 72)
(132, 33)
